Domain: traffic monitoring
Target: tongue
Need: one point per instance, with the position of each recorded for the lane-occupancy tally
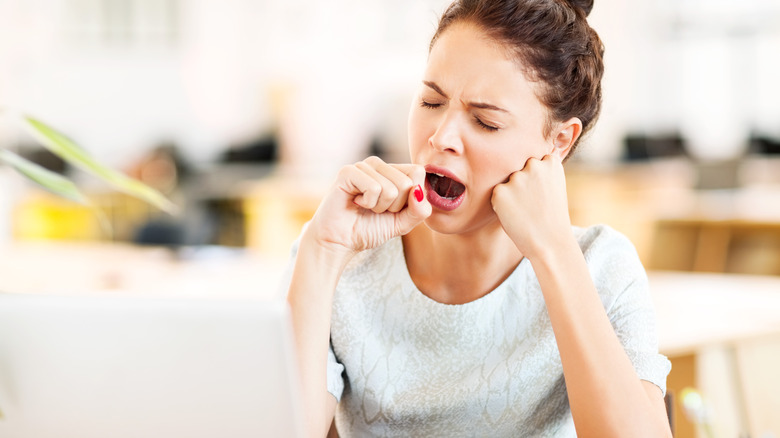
(445, 187)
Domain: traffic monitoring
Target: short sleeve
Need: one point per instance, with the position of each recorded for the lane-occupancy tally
(622, 284)
(335, 370)
(633, 319)
(335, 375)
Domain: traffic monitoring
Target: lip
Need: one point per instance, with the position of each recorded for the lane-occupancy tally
(437, 201)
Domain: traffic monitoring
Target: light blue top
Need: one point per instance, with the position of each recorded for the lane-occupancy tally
(404, 365)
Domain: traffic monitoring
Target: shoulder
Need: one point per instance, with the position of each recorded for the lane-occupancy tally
(601, 240)
(603, 245)
(612, 259)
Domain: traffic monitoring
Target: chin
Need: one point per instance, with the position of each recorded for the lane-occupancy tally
(446, 224)
(441, 226)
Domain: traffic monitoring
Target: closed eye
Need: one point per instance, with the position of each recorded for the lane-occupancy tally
(429, 105)
(485, 126)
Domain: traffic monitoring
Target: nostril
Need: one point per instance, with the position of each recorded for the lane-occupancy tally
(442, 146)
(448, 148)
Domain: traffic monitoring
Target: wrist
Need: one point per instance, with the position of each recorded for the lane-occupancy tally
(318, 267)
(554, 249)
(326, 252)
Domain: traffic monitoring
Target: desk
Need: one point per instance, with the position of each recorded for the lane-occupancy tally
(700, 310)
(105, 268)
(722, 334)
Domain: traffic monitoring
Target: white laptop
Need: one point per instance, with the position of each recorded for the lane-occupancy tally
(122, 367)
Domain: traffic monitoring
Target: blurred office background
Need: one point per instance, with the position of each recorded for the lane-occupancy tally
(241, 111)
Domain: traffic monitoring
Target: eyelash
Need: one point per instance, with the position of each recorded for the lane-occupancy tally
(485, 126)
(480, 123)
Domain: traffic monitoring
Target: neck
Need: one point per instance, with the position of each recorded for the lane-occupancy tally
(459, 268)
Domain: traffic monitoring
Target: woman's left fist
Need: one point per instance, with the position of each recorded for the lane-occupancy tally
(532, 205)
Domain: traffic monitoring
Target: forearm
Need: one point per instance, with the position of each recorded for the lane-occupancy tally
(605, 394)
(315, 276)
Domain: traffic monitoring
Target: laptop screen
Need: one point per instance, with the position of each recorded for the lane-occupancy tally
(143, 367)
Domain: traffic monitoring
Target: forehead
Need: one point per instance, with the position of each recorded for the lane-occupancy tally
(465, 59)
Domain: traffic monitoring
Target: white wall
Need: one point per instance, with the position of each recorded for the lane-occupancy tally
(229, 75)
(342, 70)
(707, 68)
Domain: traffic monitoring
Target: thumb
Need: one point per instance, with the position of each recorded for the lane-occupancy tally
(417, 210)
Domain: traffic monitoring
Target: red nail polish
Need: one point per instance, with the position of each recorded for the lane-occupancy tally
(418, 193)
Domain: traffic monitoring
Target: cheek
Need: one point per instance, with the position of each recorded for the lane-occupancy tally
(419, 129)
(509, 160)
(414, 128)
(506, 158)
(491, 169)
(503, 168)
(515, 158)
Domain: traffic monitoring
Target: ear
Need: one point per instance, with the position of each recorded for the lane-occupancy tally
(564, 137)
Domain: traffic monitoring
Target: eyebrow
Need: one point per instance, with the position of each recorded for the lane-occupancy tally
(481, 105)
(436, 88)
(487, 106)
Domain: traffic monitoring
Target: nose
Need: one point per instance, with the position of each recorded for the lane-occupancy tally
(447, 137)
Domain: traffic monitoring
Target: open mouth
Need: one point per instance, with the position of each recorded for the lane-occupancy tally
(445, 187)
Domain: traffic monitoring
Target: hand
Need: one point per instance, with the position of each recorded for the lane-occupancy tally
(370, 203)
(532, 205)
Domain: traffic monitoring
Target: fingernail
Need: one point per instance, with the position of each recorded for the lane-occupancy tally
(418, 193)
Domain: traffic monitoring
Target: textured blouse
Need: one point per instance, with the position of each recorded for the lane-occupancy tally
(403, 365)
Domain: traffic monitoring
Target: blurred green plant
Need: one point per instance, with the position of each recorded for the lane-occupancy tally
(697, 410)
(74, 154)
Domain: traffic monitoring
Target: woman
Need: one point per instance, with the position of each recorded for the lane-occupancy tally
(452, 296)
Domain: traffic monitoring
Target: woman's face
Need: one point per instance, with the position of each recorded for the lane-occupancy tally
(474, 121)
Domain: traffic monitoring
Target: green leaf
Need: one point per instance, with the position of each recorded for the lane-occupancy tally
(49, 180)
(74, 154)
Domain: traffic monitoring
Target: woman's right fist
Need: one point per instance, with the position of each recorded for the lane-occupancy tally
(370, 203)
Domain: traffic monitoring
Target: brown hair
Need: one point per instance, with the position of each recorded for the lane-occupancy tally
(553, 43)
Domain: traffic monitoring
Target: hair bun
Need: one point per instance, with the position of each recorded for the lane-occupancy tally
(584, 5)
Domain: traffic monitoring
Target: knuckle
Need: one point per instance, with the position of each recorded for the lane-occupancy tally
(346, 170)
(502, 192)
(373, 160)
(406, 184)
(389, 193)
(375, 189)
(498, 193)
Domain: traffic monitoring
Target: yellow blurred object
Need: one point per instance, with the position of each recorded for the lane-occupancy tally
(113, 216)
(44, 216)
(276, 210)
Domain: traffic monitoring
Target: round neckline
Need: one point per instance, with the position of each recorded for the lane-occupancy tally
(496, 294)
